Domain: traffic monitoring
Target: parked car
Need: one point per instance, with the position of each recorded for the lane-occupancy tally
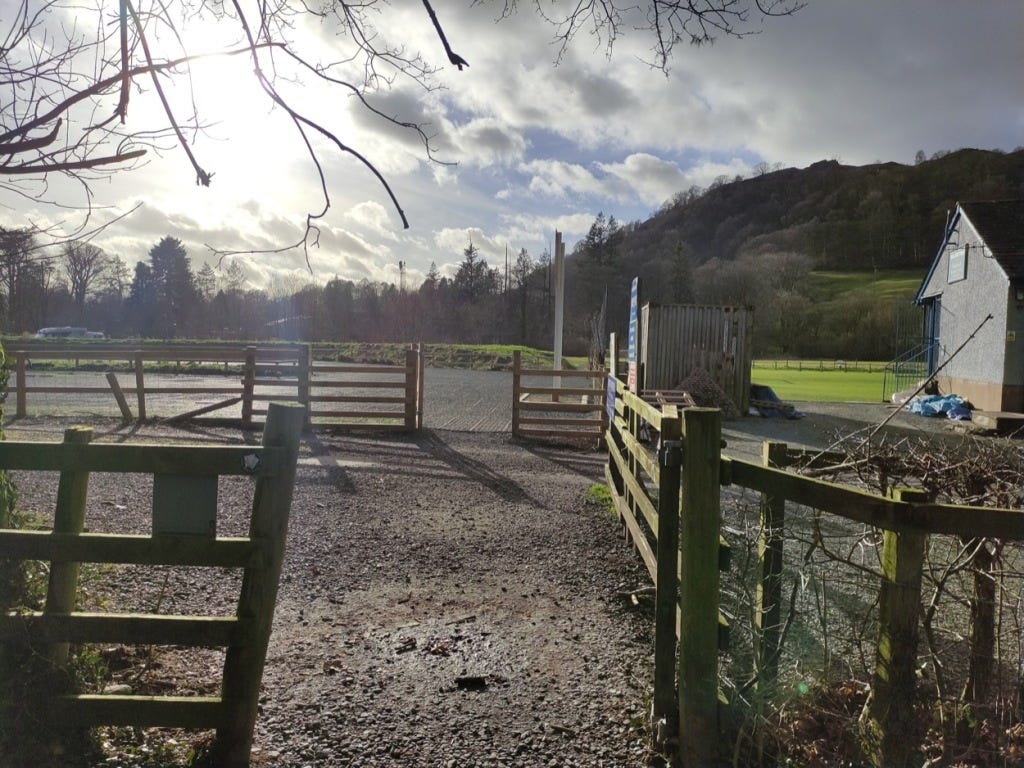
(69, 332)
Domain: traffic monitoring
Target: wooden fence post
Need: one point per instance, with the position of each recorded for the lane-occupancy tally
(419, 385)
(305, 379)
(69, 517)
(411, 378)
(613, 357)
(19, 380)
(248, 384)
(699, 534)
(243, 664)
(140, 385)
(516, 366)
(888, 723)
(667, 587)
(122, 404)
(768, 611)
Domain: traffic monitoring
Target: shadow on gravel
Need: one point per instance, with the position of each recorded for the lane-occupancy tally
(473, 469)
(576, 460)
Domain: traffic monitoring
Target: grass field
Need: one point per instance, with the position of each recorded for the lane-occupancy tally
(828, 286)
(828, 386)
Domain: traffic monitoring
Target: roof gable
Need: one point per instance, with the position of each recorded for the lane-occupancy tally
(1000, 223)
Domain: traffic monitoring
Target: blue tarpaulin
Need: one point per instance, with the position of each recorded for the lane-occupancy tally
(951, 406)
(766, 397)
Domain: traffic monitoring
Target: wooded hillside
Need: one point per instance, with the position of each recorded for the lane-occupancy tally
(886, 216)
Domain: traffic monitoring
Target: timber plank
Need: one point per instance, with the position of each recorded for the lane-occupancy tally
(133, 549)
(562, 434)
(554, 420)
(636, 533)
(156, 459)
(878, 511)
(563, 373)
(382, 399)
(129, 629)
(562, 391)
(640, 497)
(535, 405)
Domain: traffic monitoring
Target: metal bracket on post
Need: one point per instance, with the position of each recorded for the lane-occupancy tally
(670, 453)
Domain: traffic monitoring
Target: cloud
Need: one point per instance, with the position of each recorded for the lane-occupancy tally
(652, 178)
(558, 179)
(485, 142)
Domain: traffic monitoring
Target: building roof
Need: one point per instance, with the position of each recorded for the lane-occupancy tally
(1000, 223)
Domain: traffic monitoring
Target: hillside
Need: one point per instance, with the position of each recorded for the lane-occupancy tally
(769, 242)
(844, 217)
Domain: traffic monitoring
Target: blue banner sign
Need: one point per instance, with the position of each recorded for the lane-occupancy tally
(634, 300)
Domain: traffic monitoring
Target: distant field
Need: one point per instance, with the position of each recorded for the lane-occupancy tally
(821, 386)
(883, 284)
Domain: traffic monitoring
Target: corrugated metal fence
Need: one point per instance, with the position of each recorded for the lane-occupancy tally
(677, 339)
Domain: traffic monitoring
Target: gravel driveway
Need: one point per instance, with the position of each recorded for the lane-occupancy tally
(448, 599)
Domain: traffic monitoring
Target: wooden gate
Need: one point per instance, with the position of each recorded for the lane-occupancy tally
(179, 470)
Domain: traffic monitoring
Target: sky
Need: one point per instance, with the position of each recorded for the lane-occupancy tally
(527, 140)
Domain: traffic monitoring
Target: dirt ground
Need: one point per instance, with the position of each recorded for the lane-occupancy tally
(448, 599)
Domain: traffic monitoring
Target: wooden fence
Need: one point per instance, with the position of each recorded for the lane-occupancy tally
(278, 373)
(178, 471)
(682, 519)
(395, 401)
(676, 340)
(552, 410)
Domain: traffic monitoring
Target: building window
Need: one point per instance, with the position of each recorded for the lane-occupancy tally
(957, 266)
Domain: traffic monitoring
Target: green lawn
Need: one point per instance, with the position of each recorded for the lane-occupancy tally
(835, 386)
(828, 286)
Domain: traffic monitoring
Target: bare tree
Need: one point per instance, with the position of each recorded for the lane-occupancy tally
(82, 263)
(69, 71)
(667, 22)
(16, 265)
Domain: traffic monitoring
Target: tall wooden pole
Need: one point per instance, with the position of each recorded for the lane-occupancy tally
(559, 303)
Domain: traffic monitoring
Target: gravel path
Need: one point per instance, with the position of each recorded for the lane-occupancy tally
(447, 600)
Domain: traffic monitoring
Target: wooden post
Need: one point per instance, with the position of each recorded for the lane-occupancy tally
(140, 385)
(419, 385)
(305, 377)
(19, 380)
(517, 359)
(613, 357)
(248, 384)
(888, 722)
(768, 611)
(411, 377)
(667, 587)
(115, 387)
(69, 517)
(699, 533)
(243, 664)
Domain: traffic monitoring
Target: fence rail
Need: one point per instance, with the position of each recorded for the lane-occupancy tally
(553, 409)
(868, 366)
(280, 373)
(184, 470)
(395, 402)
(654, 500)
